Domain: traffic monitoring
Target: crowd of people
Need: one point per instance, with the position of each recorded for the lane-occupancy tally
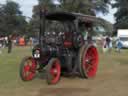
(10, 41)
(107, 44)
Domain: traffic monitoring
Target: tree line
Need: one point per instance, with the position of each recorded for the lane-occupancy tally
(12, 20)
(121, 15)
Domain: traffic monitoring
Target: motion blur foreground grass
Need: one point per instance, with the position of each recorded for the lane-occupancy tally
(9, 66)
(111, 79)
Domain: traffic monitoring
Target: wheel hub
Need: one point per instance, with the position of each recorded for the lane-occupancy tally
(55, 71)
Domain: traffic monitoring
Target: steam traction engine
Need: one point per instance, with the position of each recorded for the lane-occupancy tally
(61, 49)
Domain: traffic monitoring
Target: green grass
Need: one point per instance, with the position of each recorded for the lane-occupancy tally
(10, 82)
(9, 65)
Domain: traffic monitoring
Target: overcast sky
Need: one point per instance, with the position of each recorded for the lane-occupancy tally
(27, 5)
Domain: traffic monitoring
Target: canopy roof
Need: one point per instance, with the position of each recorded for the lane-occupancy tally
(67, 16)
(61, 16)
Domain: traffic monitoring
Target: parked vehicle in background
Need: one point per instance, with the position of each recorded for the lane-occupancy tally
(122, 34)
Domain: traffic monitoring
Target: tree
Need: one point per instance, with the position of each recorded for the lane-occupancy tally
(121, 15)
(43, 5)
(90, 7)
(12, 20)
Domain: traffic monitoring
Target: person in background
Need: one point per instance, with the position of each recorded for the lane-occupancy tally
(108, 42)
(6, 41)
(9, 44)
(104, 45)
(110, 45)
(119, 45)
(0, 47)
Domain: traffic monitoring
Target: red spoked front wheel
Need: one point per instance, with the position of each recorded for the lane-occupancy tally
(28, 69)
(88, 61)
(53, 71)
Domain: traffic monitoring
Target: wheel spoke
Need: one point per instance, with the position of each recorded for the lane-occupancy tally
(26, 68)
(52, 71)
(90, 67)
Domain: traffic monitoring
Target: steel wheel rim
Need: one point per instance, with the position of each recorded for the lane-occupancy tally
(90, 61)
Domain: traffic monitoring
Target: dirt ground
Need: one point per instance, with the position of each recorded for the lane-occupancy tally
(111, 80)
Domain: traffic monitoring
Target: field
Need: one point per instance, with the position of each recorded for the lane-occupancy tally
(111, 79)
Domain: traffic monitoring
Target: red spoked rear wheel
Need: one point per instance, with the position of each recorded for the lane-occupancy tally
(88, 61)
(53, 71)
(28, 69)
